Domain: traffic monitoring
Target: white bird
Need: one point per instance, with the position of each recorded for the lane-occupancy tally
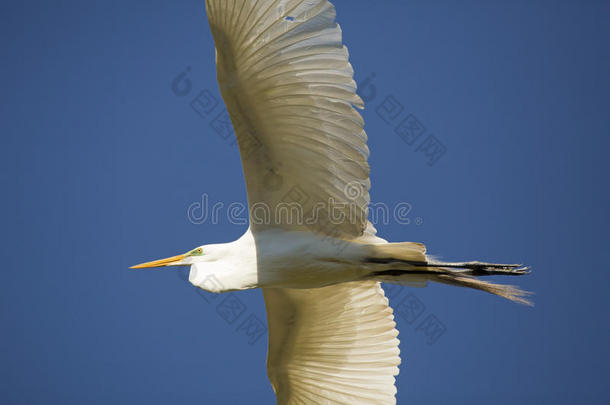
(285, 77)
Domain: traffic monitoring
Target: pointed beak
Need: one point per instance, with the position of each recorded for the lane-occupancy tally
(170, 261)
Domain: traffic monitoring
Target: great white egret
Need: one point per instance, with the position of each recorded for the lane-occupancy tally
(285, 77)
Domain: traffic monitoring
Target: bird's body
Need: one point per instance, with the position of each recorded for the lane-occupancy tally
(286, 80)
(301, 260)
(275, 258)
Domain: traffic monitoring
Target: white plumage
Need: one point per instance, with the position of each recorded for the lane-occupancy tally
(288, 85)
(332, 345)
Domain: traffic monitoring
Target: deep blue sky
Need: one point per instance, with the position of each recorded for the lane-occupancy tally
(100, 161)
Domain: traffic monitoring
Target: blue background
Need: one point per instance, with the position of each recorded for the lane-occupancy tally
(101, 160)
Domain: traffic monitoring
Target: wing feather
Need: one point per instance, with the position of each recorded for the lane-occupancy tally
(332, 345)
(286, 79)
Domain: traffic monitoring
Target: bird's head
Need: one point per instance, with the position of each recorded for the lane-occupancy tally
(186, 259)
(208, 269)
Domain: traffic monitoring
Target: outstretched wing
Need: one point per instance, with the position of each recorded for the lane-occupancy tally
(332, 345)
(288, 85)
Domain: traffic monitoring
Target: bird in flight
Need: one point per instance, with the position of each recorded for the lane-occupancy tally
(286, 79)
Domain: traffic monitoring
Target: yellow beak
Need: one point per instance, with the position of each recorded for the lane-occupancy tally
(170, 261)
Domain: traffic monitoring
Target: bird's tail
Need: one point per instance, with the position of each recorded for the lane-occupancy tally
(407, 264)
